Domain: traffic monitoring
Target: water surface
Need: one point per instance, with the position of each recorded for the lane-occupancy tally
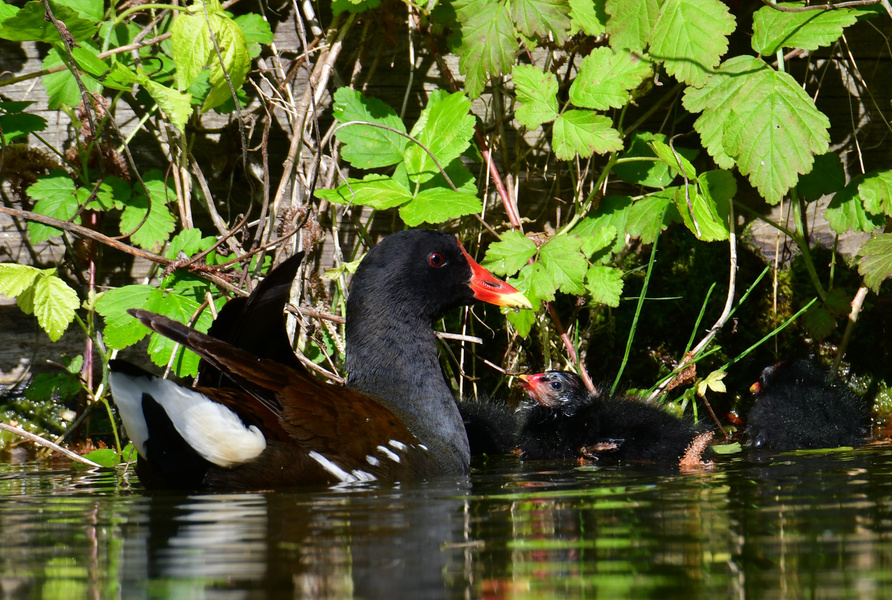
(813, 525)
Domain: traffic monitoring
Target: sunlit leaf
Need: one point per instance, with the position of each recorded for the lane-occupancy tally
(875, 260)
(509, 254)
(368, 147)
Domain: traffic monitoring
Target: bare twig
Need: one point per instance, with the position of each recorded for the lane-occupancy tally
(48, 444)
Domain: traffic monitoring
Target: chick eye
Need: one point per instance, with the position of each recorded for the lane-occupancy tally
(556, 386)
(436, 260)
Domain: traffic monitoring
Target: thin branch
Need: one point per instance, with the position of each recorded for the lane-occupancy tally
(48, 444)
(850, 4)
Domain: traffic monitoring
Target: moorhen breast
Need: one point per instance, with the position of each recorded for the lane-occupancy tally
(265, 422)
(799, 405)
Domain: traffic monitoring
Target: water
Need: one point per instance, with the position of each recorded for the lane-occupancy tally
(782, 526)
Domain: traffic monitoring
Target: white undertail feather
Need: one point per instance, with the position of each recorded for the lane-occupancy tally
(216, 433)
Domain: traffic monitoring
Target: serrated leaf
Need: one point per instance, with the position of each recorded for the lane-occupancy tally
(56, 197)
(15, 279)
(826, 177)
(488, 44)
(709, 199)
(631, 22)
(19, 125)
(594, 235)
(156, 229)
(191, 46)
(542, 18)
(875, 261)
(612, 214)
(161, 349)
(460, 175)
(764, 121)
(509, 255)
(775, 29)
(675, 160)
(819, 322)
(45, 385)
(189, 242)
(436, 205)
(876, 192)
(368, 147)
(522, 321)
(30, 24)
(233, 61)
(654, 173)
(375, 191)
(589, 16)
(61, 87)
(445, 127)
(584, 132)
(846, 211)
(86, 59)
(176, 106)
(121, 329)
(647, 215)
(604, 285)
(257, 32)
(690, 37)
(606, 77)
(54, 303)
(535, 283)
(537, 94)
(564, 262)
(91, 10)
(714, 382)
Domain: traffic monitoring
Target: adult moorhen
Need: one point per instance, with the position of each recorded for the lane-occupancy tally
(268, 423)
(567, 421)
(798, 405)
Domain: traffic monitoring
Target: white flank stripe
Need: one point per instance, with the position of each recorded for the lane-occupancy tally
(363, 476)
(398, 445)
(423, 447)
(373, 461)
(332, 468)
(388, 453)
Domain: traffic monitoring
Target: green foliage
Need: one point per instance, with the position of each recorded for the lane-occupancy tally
(40, 292)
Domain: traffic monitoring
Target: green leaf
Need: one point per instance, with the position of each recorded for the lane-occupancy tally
(564, 262)
(584, 132)
(45, 385)
(445, 127)
(54, 304)
(30, 24)
(375, 191)
(611, 215)
(121, 329)
(161, 348)
(15, 279)
(537, 94)
(541, 18)
(674, 160)
(176, 106)
(92, 10)
(156, 229)
(826, 177)
(509, 254)
(62, 87)
(875, 261)
(763, 120)
(236, 60)
(631, 22)
(436, 205)
(535, 283)
(105, 457)
(368, 147)
(654, 173)
(56, 197)
(647, 216)
(774, 29)
(589, 16)
(189, 242)
(7, 11)
(257, 32)
(876, 192)
(488, 43)
(20, 125)
(690, 37)
(714, 382)
(710, 201)
(819, 322)
(191, 46)
(604, 285)
(86, 59)
(595, 235)
(846, 211)
(522, 321)
(605, 79)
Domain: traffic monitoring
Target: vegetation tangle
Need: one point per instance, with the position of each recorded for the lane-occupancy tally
(606, 156)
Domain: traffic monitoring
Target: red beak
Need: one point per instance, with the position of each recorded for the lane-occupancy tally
(489, 288)
(532, 385)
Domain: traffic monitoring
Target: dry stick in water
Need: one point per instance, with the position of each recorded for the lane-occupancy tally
(48, 444)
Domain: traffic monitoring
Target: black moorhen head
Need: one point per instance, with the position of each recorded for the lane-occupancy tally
(799, 405)
(569, 422)
(266, 423)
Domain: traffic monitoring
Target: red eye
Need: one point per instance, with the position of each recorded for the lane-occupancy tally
(436, 260)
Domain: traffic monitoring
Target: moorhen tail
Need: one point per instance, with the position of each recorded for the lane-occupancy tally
(567, 421)
(799, 405)
(269, 423)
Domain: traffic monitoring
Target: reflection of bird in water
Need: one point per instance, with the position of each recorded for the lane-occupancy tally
(798, 405)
